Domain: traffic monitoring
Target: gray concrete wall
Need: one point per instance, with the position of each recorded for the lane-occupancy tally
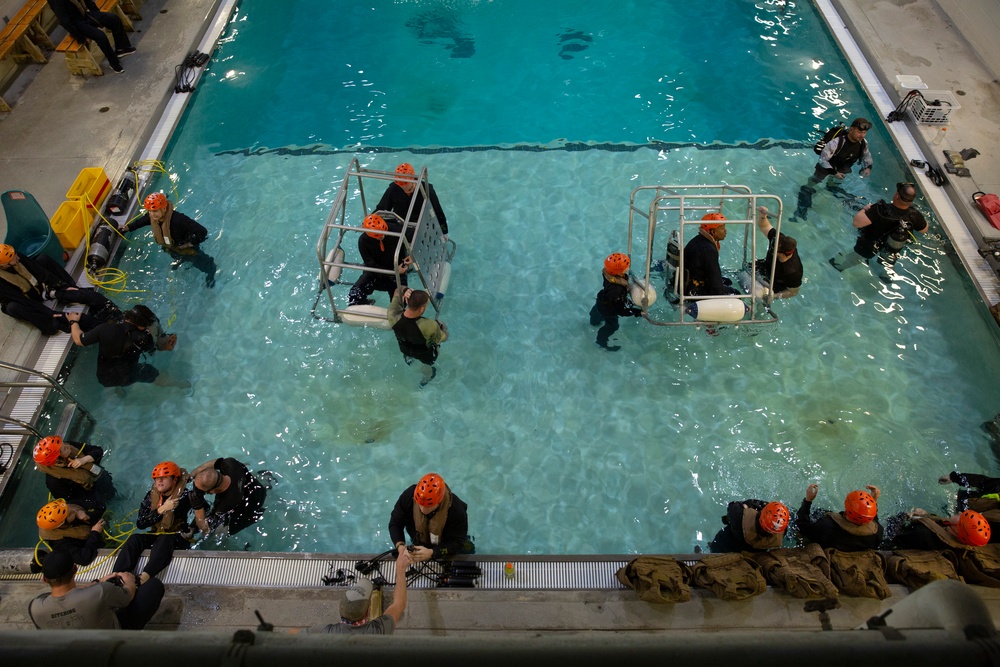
(979, 22)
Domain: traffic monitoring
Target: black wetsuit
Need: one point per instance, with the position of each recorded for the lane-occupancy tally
(612, 302)
(378, 254)
(701, 263)
(161, 547)
(240, 505)
(82, 551)
(51, 277)
(412, 342)
(84, 26)
(885, 219)
(396, 200)
(184, 231)
(120, 347)
(825, 532)
(455, 534)
(787, 275)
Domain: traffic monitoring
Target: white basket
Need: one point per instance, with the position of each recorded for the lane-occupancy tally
(933, 107)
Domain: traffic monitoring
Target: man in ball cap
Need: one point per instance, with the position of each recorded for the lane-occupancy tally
(355, 604)
(113, 603)
(436, 520)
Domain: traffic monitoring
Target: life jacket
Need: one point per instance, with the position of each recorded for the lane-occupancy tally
(659, 579)
(161, 229)
(729, 576)
(82, 475)
(169, 522)
(430, 527)
(940, 532)
(802, 572)
(21, 278)
(915, 568)
(78, 531)
(754, 536)
(412, 342)
(859, 573)
(865, 530)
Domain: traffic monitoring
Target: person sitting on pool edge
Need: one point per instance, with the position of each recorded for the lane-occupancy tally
(751, 525)
(855, 529)
(613, 300)
(27, 283)
(701, 259)
(165, 511)
(121, 345)
(418, 337)
(72, 472)
(377, 255)
(399, 194)
(177, 234)
(239, 496)
(436, 520)
(69, 529)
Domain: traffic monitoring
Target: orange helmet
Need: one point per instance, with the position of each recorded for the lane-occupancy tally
(405, 169)
(47, 450)
(166, 469)
(972, 529)
(709, 226)
(375, 222)
(860, 507)
(774, 518)
(430, 490)
(7, 253)
(52, 515)
(617, 264)
(155, 201)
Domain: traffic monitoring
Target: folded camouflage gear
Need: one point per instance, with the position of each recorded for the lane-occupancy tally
(915, 568)
(657, 579)
(859, 574)
(729, 576)
(802, 572)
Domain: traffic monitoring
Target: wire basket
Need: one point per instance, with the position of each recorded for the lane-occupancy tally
(934, 107)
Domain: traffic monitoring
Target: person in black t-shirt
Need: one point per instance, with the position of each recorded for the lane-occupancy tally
(239, 496)
(787, 278)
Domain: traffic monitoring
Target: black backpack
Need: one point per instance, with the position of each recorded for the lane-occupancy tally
(830, 134)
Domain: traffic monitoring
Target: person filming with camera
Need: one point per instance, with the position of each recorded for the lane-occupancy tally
(111, 603)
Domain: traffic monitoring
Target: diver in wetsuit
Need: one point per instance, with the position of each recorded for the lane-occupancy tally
(837, 158)
(376, 254)
(418, 337)
(398, 195)
(613, 300)
(179, 236)
(701, 259)
(239, 496)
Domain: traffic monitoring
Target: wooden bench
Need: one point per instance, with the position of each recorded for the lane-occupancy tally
(22, 37)
(86, 58)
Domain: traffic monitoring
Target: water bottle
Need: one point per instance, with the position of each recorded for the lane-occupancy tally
(940, 136)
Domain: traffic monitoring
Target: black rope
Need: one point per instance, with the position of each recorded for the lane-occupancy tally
(184, 73)
(899, 113)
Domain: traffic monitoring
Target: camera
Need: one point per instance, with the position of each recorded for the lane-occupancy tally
(117, 581)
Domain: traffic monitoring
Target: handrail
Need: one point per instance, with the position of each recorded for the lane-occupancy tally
(31, 430)
(49, 381)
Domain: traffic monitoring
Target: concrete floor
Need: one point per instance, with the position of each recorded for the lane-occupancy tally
(61, 124)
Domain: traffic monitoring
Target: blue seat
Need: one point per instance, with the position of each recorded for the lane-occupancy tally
(28, 228)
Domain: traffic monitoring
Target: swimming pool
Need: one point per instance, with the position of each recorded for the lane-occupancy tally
(557, 446)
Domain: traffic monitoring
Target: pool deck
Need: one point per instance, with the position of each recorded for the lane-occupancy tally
(61, 124)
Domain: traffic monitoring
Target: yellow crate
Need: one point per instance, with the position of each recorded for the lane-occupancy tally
(70, 223)
(91, 187)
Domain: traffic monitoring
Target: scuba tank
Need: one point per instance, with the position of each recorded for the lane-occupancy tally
(101, 238)
(898, 238)
(674, 250)
(120, 198)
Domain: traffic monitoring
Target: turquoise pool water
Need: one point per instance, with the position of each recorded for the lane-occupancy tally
(557, 446)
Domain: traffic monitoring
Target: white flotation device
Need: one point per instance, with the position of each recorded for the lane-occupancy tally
(445, 279)
(717, 310)
(333, 272)
(760, 290)
(368, 316)
(642, 295)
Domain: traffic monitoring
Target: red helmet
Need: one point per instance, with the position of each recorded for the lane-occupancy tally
(972, 529)
(166, 469)
(374, 221)
(774, 518)
(405, 169)
(860, 507)
(617, 264)
(155, 201)
(430, 490)
(709, 225)
(52, 515)
(47, 450)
